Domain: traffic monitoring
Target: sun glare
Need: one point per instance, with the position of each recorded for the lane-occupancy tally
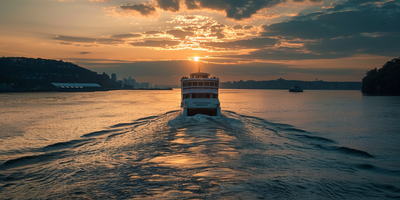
(196, 59)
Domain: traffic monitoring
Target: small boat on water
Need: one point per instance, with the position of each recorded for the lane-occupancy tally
(296, 89)
(200, 95)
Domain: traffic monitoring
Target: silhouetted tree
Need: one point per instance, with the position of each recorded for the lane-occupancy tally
(384, 81)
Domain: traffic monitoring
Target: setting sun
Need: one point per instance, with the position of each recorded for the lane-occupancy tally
(196, 59)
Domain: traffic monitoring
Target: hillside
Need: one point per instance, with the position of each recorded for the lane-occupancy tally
(37, 72)
(383, 81)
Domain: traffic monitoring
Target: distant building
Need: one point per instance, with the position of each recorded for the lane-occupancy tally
(114, 77)
(76, 86)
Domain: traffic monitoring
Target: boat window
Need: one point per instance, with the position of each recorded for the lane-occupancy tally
(190, 84)
(186, 96)
(201, 95)
(193, 96)
(212, 84)
(215, 96)
(206, 83)
(216, 84)
(200, 83)
(185, 84)
(194, 83)
(208, 95)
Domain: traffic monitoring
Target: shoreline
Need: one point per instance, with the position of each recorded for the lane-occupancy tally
(76, 90)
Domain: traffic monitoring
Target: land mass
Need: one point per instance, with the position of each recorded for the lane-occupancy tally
(21, 74)
(383, 81)
(286, 84)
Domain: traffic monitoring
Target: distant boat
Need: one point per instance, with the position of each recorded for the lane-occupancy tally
(296, 89)
(200, 95)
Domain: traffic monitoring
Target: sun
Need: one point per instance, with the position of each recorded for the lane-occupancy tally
(196, 59)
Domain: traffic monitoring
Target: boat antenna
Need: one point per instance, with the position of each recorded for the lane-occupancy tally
(198, 68)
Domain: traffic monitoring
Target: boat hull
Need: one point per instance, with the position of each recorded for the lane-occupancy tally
(203, 111)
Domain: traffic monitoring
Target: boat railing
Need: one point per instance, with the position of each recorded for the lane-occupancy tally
(200, 88)
(210, 78)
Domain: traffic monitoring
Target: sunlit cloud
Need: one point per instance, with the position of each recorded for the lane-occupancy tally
(192, 32)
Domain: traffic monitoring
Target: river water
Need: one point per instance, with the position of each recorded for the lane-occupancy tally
(268, 144)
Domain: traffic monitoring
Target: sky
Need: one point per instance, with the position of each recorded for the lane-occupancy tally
(157, 40)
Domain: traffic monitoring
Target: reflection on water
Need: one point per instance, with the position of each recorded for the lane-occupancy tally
(167, 156)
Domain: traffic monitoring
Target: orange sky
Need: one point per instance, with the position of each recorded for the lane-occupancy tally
(156, 41)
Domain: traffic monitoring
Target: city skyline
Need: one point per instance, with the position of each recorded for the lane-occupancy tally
(157, 41)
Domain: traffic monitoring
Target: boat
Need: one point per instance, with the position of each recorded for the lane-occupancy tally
(200, 95)
(296, 89)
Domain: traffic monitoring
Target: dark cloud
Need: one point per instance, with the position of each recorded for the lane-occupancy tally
(235, 9)
(287, 54)
(144, 9)
(155, 43)
(248, 27)
(179, 33)
(191, 4)
(123, 36)
(339, 24)
(353, 4)
(368, 28)
(66, 43)
(109, 41)
(169, 5)
(69, 39)
(238, 27)
(384, 46)
(74, 39)
(84, 52)
(255, 43)
(217, 35)
(152, 32)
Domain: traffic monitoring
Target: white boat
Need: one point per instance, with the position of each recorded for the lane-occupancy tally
(200, 95)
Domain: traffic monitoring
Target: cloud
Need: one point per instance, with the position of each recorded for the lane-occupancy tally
(84, 52)
(367, 28)
(234, 9)
(169, 5)
(155, 43)
(144, 9)
(152, 32)
(87, 40)
(88, 0)
(255, 43)
(74, 39)
(238, 27)
(385, 46)
(322, 25)
(124, 36)
(179, 33)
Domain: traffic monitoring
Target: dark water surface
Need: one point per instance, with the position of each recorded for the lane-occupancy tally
(134, 144)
